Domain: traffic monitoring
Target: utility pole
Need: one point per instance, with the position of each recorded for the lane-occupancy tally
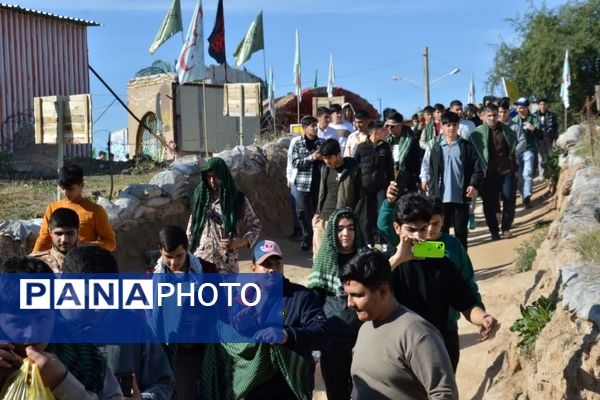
(426, 75)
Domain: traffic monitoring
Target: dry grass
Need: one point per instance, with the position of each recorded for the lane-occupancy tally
(28, 199)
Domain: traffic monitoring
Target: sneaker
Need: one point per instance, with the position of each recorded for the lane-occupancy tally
(495, 237)
(506, 235)
(472, 222)
(305, 245)
(527, 202)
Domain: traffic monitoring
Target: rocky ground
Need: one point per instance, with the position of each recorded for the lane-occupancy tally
(501, 287)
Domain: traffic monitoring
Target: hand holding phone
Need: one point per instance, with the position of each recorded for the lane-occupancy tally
(429, 249)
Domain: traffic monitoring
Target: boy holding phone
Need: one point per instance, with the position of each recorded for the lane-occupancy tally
(431, 286)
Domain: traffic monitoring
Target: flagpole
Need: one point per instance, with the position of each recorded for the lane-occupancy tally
(225, 65)
(265, 66)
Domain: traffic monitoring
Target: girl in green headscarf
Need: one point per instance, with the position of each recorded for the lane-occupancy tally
(341, 242)
(219, 212)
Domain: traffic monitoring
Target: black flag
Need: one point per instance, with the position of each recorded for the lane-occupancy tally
(216, 40)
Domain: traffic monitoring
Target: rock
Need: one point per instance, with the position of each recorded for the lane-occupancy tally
(127, 201)
(112, 210)
(581, 289)
(571, 137)
(284, 141)
(191, 160)
(169, 181)
(186, 169)
(157, 202)
(143, 191)
(141, 211)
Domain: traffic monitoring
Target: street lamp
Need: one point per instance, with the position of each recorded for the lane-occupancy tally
(453, 72)
(426, 81)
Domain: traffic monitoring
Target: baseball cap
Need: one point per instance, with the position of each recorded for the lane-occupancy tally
(265, 249)
(523, 102)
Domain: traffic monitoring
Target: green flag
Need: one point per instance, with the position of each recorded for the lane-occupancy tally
(170, 26)
(315, 84)
(252, 42)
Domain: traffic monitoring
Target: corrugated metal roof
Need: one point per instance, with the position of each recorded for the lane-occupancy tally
(49, 15)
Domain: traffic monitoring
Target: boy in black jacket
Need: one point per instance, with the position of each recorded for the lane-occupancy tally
(451, 171)
(374, 157)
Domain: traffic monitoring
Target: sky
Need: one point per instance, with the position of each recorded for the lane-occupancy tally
(370, 41)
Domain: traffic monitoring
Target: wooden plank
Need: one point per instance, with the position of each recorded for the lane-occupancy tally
(76, 119)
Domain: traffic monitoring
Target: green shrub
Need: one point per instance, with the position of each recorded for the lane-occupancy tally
(551, 167)
(527, 251)
(588, 243)
(533, 319)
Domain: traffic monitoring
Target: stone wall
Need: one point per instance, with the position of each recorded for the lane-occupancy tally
(565, 362)
(140, 211)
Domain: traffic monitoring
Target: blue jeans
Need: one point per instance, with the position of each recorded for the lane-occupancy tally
(526, 160)
(294, 195)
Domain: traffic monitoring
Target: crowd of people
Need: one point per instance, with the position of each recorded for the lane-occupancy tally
(381, 322)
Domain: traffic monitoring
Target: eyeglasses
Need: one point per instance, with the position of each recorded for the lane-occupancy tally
(390, 126)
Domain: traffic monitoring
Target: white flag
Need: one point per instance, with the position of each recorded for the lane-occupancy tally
(271, 94)
(471, 98)
(331, 78)
(297, 72)
(566, 81)
(190, 64)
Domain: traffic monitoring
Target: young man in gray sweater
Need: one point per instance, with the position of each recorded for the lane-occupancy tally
(398, 355)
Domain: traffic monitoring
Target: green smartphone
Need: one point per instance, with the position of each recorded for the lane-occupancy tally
(429, 249)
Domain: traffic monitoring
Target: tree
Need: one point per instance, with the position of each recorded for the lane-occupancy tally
(157, 67)
(535, 63)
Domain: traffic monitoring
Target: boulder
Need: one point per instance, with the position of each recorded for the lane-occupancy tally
(143, 191)
(571, 137)
(169, 181)
(581, 290)
(158, 202)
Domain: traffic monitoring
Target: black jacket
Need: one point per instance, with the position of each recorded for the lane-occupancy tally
(376, 165)
(472, 172)
(550, 125)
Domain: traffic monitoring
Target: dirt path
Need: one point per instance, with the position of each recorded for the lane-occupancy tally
(501, 289)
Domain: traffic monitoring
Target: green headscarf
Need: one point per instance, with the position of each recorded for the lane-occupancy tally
(229, 197)
(325, 272)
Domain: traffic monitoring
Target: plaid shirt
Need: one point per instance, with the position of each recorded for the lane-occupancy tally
(303, 162)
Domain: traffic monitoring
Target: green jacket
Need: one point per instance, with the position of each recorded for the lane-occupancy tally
(531, 136)
(480, 139)
(455, 252)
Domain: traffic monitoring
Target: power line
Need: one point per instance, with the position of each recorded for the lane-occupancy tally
(104, 112)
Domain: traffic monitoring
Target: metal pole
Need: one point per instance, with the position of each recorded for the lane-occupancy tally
(298, 99)
(59, 104)
(426, 75)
